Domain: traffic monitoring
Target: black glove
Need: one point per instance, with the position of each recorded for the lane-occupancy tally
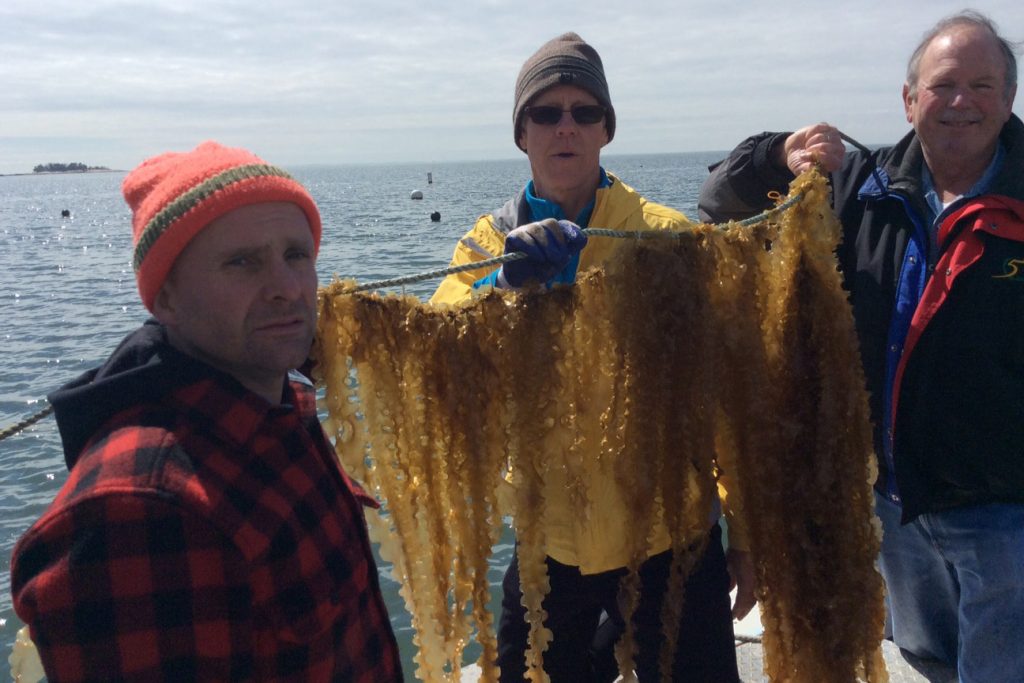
(548, 245)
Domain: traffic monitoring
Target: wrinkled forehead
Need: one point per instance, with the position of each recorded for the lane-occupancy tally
(971, 46)
(251, 227)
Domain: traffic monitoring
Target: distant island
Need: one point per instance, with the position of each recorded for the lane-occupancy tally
(73, 167)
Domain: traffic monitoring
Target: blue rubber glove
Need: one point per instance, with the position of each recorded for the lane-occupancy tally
(548, 245)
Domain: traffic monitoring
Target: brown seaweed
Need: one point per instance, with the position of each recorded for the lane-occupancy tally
(716, 353)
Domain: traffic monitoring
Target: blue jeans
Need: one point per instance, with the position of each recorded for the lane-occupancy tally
(955, 587)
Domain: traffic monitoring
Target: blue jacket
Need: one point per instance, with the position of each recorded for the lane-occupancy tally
(950, 432)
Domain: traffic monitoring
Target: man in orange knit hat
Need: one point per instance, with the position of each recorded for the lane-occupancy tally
(206, 531)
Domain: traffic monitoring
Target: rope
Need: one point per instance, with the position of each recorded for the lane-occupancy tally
(590, 232)
(28, 422)
(867, 152)
(498, 260)
(430, 275)
(853, 142)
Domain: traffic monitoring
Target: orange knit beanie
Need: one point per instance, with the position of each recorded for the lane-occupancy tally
(175, 195)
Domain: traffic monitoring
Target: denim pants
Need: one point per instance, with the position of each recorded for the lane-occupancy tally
(581, 649)
(955, 587)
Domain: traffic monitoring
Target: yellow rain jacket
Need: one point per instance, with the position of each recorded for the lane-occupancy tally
(598, 542)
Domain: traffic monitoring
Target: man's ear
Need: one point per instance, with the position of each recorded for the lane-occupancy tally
(163, 305)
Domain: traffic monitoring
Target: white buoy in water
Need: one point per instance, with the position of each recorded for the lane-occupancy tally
(417, 194)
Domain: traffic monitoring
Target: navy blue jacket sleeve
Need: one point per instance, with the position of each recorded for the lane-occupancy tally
(739, 185)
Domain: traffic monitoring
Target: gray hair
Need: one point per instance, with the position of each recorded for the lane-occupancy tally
(968, 17)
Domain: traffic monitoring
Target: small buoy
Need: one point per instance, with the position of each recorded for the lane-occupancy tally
(417, 194)
(435, 216)
(430, 177)
(66, 213)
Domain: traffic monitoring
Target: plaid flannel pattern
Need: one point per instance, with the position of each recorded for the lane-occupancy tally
(210, 538)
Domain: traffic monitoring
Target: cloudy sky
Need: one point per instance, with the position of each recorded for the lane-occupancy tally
(110, 82)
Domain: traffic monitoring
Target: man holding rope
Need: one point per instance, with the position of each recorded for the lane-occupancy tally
(562, 118)
(933, 258)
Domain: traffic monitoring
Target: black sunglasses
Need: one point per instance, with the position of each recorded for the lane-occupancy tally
(583, 114)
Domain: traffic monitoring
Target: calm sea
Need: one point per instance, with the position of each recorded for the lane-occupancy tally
(68, 293)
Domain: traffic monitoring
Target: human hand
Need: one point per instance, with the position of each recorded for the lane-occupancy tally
(548, 245)
(819, 144)
(743, 578)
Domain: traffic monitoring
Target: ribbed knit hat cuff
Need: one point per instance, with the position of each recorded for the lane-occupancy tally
(557, 65)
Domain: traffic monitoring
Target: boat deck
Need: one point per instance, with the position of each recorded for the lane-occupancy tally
(903, 668)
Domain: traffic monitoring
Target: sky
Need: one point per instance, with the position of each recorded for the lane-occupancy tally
(112, 82)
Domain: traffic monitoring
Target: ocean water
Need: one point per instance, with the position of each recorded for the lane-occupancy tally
(67, 293)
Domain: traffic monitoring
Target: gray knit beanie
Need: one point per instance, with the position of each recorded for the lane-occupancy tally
(565, 60)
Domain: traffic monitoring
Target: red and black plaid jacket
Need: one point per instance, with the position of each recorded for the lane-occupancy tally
(207, 536)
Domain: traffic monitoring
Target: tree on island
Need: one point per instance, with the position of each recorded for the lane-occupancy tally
(73, 167)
